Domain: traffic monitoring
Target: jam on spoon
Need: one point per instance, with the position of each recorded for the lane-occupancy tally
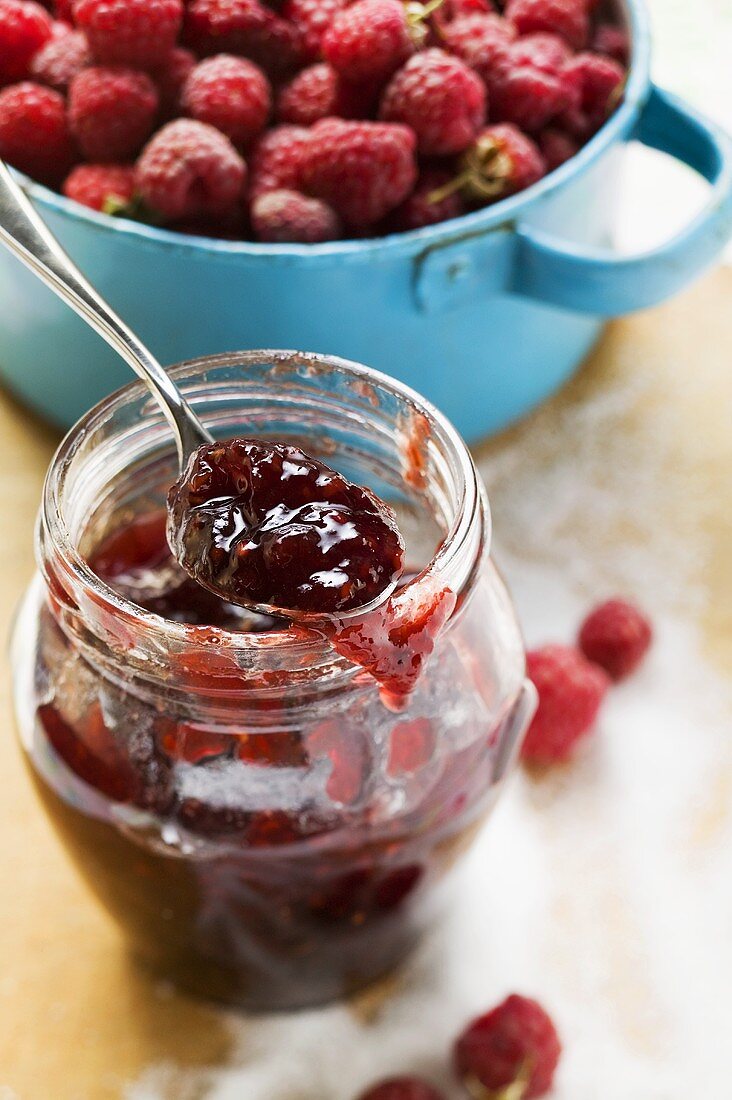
(262, 523)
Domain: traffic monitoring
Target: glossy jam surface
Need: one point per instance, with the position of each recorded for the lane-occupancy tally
(268, 846)
(260, 522)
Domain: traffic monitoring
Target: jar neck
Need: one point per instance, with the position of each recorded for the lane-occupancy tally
(119, 459)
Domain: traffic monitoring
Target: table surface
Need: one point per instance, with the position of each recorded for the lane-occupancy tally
(606, 885)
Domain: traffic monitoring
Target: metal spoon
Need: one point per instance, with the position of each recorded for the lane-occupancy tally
(24, 233)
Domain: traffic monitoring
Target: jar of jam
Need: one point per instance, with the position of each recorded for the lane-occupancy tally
(268, 824)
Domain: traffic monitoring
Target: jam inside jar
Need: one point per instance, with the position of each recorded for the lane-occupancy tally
(267, 824)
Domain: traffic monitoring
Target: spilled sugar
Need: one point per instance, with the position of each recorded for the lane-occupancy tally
(604, 889)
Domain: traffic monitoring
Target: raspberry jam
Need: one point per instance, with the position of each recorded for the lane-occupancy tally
(264, 523)
(268, 824)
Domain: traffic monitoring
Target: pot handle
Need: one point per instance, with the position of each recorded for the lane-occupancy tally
(598, 281)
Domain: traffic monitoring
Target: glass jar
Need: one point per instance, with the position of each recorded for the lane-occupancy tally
(266, 825)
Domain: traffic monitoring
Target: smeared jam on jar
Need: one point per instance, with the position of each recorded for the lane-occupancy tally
(263, 523)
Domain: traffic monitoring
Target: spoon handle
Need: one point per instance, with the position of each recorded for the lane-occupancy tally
(24, 233)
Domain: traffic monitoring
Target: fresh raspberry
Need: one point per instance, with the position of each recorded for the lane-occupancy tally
(543, 50)
(58, 62)
(111, 111)
(105, 187)
(599, 81)
(425, 206)
(557, 147)
(567, 18)
(277, 159)
(527, 94)
(368, 40)
(189, 170)
(613, 42)
(362, 169)
(516, 1042)
(34, 135)
(319, 92)
(312, 18)
(245, 27)
(500, 162)
(401, 1088)
(616, 636)
(283, 216)
(24, 27)
(231, 94)
(481, 41)
(170, 78)
(129, 32)
(450, 10)
(571, 690)
(442, 100)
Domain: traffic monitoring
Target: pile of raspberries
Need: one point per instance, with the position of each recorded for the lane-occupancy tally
(301, 120)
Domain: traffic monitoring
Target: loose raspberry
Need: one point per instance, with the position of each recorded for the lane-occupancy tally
(170, 78)
(442, 100)
(402, 1088)
(282, 216)
(571, 690)
(544, 51)
(319, 92)
(312, 18)
(613, 42)
(616, 636)
(599, 81)
(189, 170)
(58, 62)
(362, 169)
(231, 94)
(500, 162)
(245, 27)
(529, 94)
(557, 147)
(481, 41)
(567, 18)
(425, 206)
(106, 187)
(368, 40)
(24, 27)
(111, 111)
(516, 1042)
(277, 159)
(34, 136)
(129, 32)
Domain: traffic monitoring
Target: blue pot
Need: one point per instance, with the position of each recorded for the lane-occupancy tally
(485, 315)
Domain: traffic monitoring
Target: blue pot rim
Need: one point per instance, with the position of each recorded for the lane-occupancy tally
(501, 215)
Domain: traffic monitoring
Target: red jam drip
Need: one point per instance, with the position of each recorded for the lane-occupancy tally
(264, 523)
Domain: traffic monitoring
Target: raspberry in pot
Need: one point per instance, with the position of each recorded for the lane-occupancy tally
(319, 92)
(571, 690)
(368, 40)
(137, 33)
(516, 1042)
(24, 27)
(440, 98)
(362, 169)
(105, 187)
(527, 95)
(245, 27)
(481, 41)
(282, 216)
(567, 18)
(612, 41)
(189, 170)
(231, 94)
(34, 135)
(425, 206)
(500, 162)
(616, 636)
(557, 147)
(312, 18)
(58, 62)
(599, 82)
(170, 77)
(277, 160)
(401, 1088)
(111, 112)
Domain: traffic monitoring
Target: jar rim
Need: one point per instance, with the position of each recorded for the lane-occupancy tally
(471, 500)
